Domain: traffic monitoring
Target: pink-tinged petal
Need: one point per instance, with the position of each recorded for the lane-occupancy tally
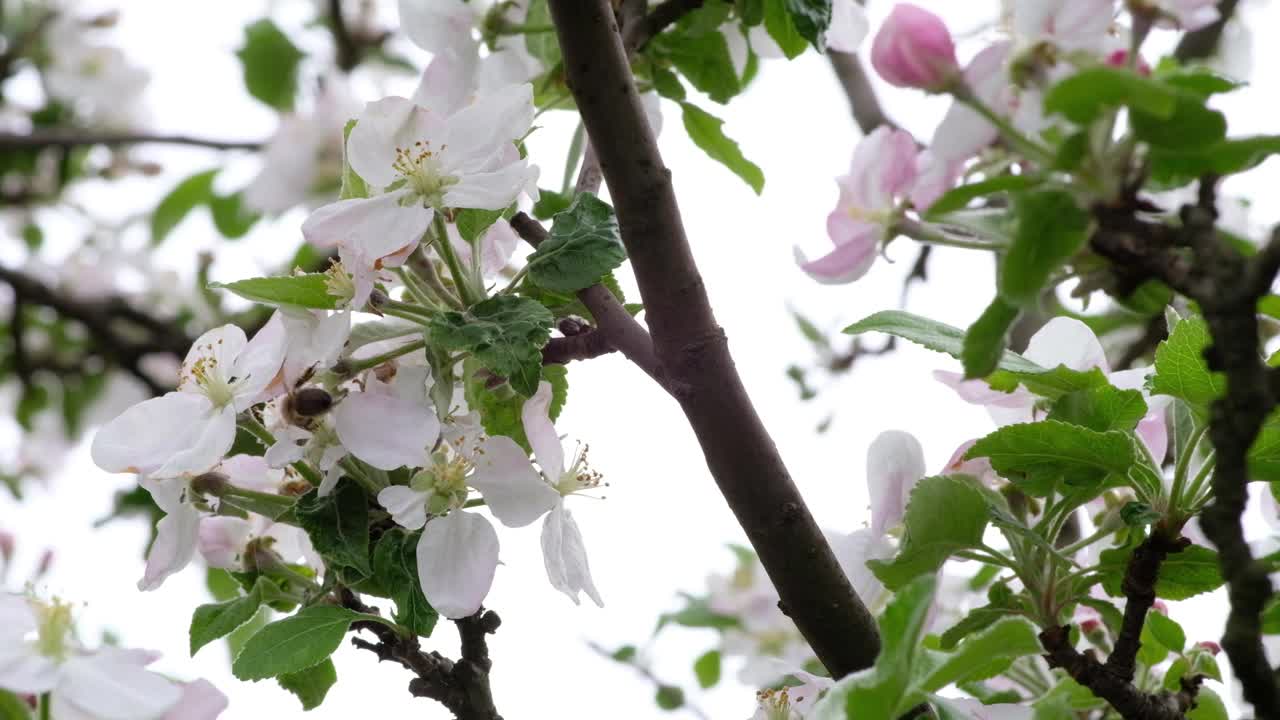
(251, 472)
(883, 166)
(842, 265)
(536, 418)
(914, 49)
(111, 689)
(177, 534)
(849, 26)
(444, 86)
(513, 491)
(979, 468)
(934, 176)
(200, 701)
(222, 541)
(457, 559)
(499, 118)
(386, 431)
(258, 365)
(1152, 428)
(895, 461)
(566, 557)
(978, 392)
(408, 507)
(963, 133)
(370, 228)
(173, 434)
(1066, 341)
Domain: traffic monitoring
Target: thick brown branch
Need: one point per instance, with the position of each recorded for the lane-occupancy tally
(864, 104)
(693, 351)
(1129, 701)
(1139, 589)
(69, 139)
(584, 344)
(1203, 43)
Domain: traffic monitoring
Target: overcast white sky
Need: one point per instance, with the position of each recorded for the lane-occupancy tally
(663, 526)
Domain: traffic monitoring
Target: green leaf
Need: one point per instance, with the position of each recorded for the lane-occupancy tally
(933, 335)
(778, 23)
(1182, 575)
(541, 45)
(811, 18)
(550, 203)
(1181, 369)
(1101, 408)
(697, 614)
(1045, 451)
(1264, 454)
(944, 514)
(703, 59)
(210, 622)
(669, 697)
(984, 342)
(667, 84)
(305, 291)
(1051, 229)
(706, 132)
(294, 644)
(353, 186)
(1180, 164)
(978, 619)
(338, 525)
(395, 567)
(1083, 96)
(1208, 706)
(270, 62)
(1191, 124)
(707, 669)
(312, 684)
(472, 223)
(584, 244)
(505, 334)
(959, 198)
(12, 707)
(231, 216)
(1007, 639)
(181, 200)
(1166, 631)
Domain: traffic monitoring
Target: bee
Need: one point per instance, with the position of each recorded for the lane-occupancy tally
(302, 405)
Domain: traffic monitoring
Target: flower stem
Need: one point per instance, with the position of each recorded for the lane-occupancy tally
(425, 269)
(45, 708)
(935, 235)
(460, 280)
(354, 367)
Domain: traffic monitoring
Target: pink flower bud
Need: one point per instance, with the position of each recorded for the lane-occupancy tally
(1160, 607)
(1090, 626)
(1209, 646)
(1120, 59)
(915, 49)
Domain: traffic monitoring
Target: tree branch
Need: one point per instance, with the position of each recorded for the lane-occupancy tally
(864, 104)
(70, 139)
(1203, 43)
(346, 50)
(1227, 286)
(580, 342)
(693, 351)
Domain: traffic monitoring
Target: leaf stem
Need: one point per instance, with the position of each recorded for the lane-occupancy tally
(355, 367)
(445, 248)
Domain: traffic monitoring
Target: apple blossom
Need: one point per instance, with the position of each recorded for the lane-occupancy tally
(97, 81)
(1188, 14)
(222, 539)
(223, 374)
(40, 654)
(389, 425)
(882, 172)
(914, 49)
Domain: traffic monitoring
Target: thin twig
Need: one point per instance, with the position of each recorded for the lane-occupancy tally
(1203, 43)
(70, 139)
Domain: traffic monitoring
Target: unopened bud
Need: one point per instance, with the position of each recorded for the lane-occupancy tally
(377, 299)
(7, 544)
(1160, 607)
(1209, 646)
(914, 49)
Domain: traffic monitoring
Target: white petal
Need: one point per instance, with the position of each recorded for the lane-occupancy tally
(493, 190)
(895, 461)
(16, 618)
(112, 689)
(498, 119)
(200, 701)
(222, 541)
(162, 433)
(386, 431)
(258, 364)
(213, 437)
(1066, 341)
(22, 669)
(445, 84)
(215, 352)
(457, 558)
(849, 26)
(408, 507)
(566, 557)
(853, 551)
(385, 128)
(369, 228)
(176, 536)
(536, 417)
(251, 472)
(515, 492)
(439, 26)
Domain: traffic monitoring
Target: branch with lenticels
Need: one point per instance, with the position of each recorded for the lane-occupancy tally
(692, 352)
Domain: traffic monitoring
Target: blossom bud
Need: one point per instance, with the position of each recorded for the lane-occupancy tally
(6, 546)
(914, 49)
(1120, 59)
(1160, 607)
(1209, 646)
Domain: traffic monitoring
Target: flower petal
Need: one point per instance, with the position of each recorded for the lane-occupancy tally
(258, 364)
(110, 687)
(497, 119)
(384, 430)
(515, 492)
(177, 534)
(177, 432)
(1066, 341)
(536, 418)
(214, 352)
(370, 228)
(457, 558)
(492, 190)
(222, 541)
(200, 701)
(408, 507)
(566, 557)
(849, 26)
(848, 262)
(895, 461)
(386, 129)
